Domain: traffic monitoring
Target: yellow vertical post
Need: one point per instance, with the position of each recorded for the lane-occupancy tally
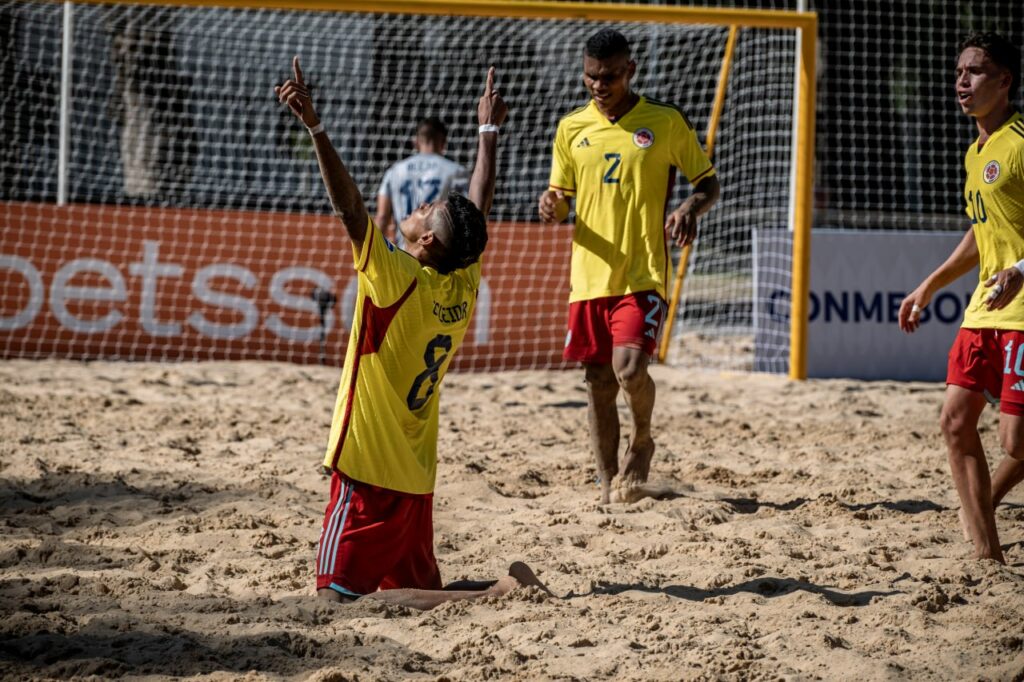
(801, 289)
(684, 259)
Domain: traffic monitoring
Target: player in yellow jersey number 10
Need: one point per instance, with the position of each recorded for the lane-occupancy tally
(987, 358)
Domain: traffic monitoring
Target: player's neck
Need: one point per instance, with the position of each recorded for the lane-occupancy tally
(623, 108)
(991, 122)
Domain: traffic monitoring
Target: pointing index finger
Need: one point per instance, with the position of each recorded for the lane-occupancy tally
(490, 81)
(298, 70)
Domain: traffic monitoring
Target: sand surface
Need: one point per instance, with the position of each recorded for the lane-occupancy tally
(160, 520)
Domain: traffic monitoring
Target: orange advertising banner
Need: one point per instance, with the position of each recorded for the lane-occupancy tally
(88, 281)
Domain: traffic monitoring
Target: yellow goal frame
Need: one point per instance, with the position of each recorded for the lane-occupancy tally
(805, 23)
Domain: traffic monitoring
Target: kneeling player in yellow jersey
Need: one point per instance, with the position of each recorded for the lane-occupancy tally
(617, 156)
(987, 358)
(382, 452)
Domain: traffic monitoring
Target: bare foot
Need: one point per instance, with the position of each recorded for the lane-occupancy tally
(629, 493)
(526, 577)
(637, 462)
(519, 575)
(994, 555)
(606, 492)
(503, 586)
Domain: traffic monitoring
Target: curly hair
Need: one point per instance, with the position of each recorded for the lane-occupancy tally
(1001, 51)
(469, 234)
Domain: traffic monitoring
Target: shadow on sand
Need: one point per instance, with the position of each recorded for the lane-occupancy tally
(764, 587)
(752, 506)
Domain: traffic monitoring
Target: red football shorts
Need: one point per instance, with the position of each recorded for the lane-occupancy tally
(376, 539)
(990, 361)
(598, 325)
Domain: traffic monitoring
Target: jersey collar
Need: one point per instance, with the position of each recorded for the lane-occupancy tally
(640, 99)
(1014, 117)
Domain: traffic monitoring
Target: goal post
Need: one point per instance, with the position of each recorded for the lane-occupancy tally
(220, 264)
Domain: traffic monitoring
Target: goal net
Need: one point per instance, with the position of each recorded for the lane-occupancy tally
(157, 203)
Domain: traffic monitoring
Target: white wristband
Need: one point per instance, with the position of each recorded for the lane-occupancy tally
(488, 128)
(317, 129)
(1020, 266)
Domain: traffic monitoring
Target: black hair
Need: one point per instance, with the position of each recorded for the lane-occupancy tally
(1001, 51)
(433, 129)
(469, 234)
(605, 44)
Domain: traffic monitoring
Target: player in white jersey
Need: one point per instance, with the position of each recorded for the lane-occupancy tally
(422, 178)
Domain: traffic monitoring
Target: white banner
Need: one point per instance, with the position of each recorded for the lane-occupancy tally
(858, 279)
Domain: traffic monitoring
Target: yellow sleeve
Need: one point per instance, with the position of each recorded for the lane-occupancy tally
(384, 270)
(1017, 165)
(688, 155)
(563, 171)
(967, 179)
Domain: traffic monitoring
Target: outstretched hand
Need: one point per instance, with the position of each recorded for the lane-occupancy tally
(296, 95)
(492, 108)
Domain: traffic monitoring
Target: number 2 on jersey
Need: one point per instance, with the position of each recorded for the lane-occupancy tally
(609, 175)
(433, 359)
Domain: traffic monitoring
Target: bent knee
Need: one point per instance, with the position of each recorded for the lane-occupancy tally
(633, 377)
(956, 424)
(630, 367)
(1013, 445)
(600, 378)
(327, 594)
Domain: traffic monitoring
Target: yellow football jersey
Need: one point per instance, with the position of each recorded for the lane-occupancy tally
(994, 193)
(621, 174)
(409, 322)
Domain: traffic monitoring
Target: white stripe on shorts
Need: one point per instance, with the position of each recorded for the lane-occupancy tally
(327, 533)
(341, 527)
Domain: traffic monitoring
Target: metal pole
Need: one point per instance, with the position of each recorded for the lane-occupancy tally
(801, 287)
(65, 107)
(801, 6)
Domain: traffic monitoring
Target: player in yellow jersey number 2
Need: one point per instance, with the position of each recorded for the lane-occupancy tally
(987, 358)
(616, 156)
(377, 536)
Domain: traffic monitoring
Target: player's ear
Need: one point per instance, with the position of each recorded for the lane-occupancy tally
(632, 68)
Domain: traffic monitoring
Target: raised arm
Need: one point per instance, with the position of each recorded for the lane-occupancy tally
(384, 216)
(341, 189)
(491, 110)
